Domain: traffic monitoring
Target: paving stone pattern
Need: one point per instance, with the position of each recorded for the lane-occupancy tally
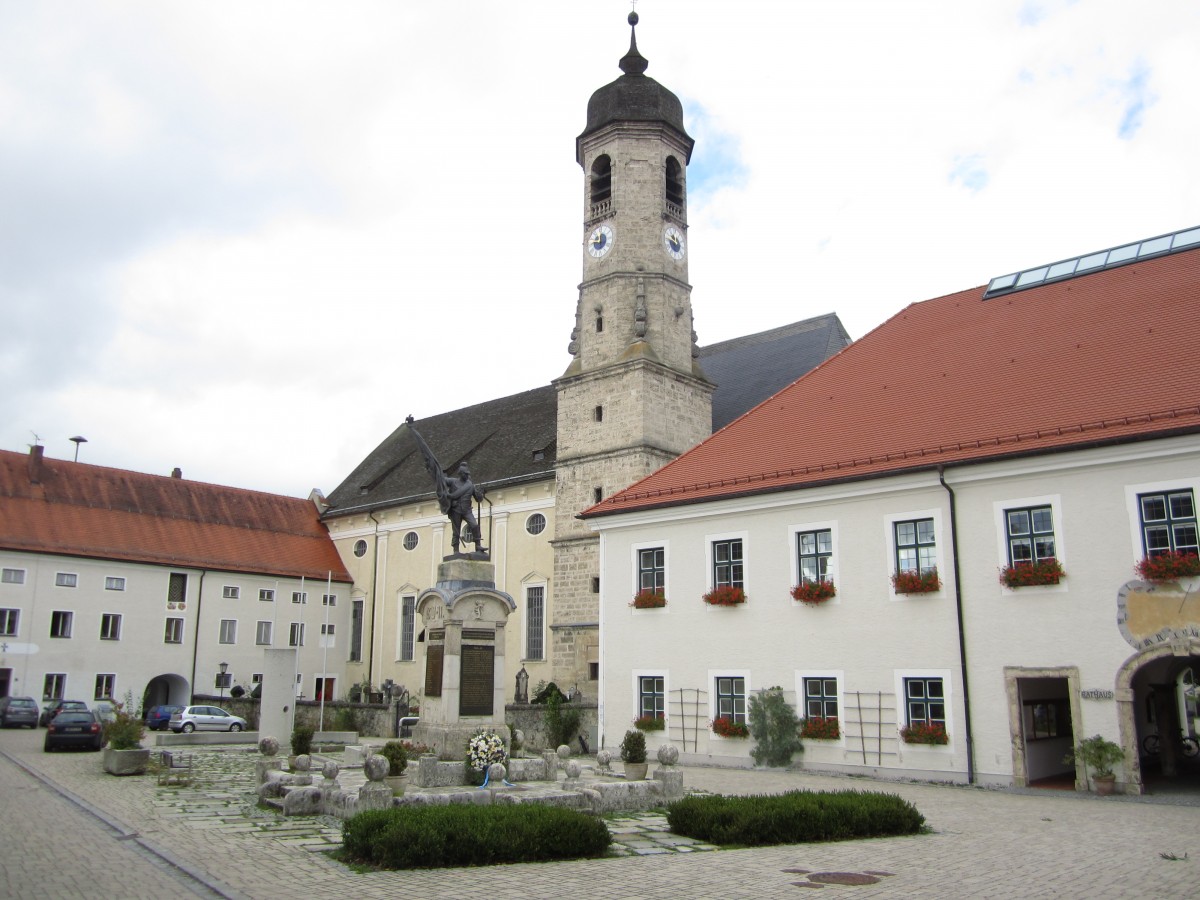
(981, 843)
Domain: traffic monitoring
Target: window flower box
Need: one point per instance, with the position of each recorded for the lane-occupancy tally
(726, 595)
(649, 723)
(917, 583)
(730, 729)
(648, 599)
(1169, 566)
(1048, 571)
(925, 733)
(814, 593)
(819, 729)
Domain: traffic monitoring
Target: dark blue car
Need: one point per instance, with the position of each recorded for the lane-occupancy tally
(159, 716)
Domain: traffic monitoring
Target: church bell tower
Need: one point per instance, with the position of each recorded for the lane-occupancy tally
(633, 397)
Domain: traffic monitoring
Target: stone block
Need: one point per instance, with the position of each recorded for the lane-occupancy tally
(302, 801)
(671, 781)
(374, 795)
(526, 770)
(433, 772)
(354, 755)
(264, 766)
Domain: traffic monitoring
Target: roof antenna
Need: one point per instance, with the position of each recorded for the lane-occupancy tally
(37, 441)
(77, 440)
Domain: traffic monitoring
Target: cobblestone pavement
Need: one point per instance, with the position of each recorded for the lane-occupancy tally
(981, 843)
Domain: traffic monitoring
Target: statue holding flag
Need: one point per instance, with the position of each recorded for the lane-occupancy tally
(455, 494)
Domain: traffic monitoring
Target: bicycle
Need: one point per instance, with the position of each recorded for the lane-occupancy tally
(1152, 744)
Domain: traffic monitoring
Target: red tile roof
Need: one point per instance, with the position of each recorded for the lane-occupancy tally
(76, 509)
(1109, 357)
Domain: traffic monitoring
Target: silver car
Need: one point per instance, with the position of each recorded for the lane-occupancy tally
(205, 718)
(18, 711)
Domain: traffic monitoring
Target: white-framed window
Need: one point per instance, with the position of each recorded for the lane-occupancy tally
(114, 583)
(1168, 522)
(228, 632)
(262, 633)
(535, 524)
(650, 694)
(299, 684)
(61, 622)
(360, 549)
(266, 594)
(66, 579)
(913, 546)
(296, 634)
(651, 565)
(327, 635)
(729, 690)
(12, 576)
(813, 553)
(726, 559)
(54, 685)
(256, 679)
(411, 539)
(924, 697)
(173, 633)
(1029, 534)
(105, 686)
(110, 627)
(329, 599)
(299, 596)
(820, 694)
(325, 688)
(535, 621)
(408, 625)
(231, 592)
(10, 622)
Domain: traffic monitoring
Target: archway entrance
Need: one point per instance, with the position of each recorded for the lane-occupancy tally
(1042, 711)
(1164, 716)
(164, 689)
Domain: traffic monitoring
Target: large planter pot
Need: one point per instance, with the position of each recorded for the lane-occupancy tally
(1104, 784)
(636, 771)
(126, 762)
(396, 783)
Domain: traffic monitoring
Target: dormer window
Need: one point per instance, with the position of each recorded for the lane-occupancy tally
(674, 182)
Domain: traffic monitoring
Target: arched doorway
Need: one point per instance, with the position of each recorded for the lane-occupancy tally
(1157, 694)
(164, 689)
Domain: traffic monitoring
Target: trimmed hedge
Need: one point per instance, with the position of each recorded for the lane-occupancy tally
(427, 837)
(793, 818)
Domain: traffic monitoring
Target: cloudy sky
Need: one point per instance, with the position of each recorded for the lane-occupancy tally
(247, 238)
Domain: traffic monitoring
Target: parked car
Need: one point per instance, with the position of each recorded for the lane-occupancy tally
(49, 712)
(18, 711)
(105, 711)
(74, 728)
(205, 718)
(158, 718)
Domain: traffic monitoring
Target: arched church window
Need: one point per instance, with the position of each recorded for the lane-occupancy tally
(674, 181)
(601, 181)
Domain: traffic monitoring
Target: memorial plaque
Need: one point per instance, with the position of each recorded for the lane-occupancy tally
(433, 669)
(478, 634)
(478, 680)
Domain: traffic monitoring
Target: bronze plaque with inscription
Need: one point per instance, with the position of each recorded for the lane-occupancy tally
(433, 669)
(477, 681)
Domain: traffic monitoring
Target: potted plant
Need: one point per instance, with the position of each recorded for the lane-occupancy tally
(125, 754)
(649, 723)
(817, 728)
(649, 599)
(729, 728)
(1100, 755)
(1047, 571)
(814, 593)
(925, 733)
(302, 738)
(726, 595)
(633, 754)
(397, 756)
(916, 582)
(1169, 566)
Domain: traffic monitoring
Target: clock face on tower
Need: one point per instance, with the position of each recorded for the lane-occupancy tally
(673, 242)
(600, 241)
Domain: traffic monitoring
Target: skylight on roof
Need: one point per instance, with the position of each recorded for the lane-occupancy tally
(1093, 262)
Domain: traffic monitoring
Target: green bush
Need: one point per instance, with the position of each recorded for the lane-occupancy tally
(396, 755)
(345, 719)
(774, 727)
(429, 837)
(562, 721)
(633, 747)
(302, 737)
(793, 818)
(125, 731)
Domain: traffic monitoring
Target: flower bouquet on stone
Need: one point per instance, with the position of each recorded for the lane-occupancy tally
(925, 733)
(649, 598)
(1032, 574)
(484, 749)
(911, 582)
(814, 593)
(729, 728)
(1169, 566)
(726, 595)
(817, 728)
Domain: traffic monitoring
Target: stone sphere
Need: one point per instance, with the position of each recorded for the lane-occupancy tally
(497, 772)
(376, 767)
(330, 770)
(564, 752)
(668, 755)
(268, 746)
(573, 769)
(303, 763)
(603, 758)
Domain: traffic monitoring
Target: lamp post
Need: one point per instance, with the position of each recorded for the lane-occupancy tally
(77, 440)
(223, 679)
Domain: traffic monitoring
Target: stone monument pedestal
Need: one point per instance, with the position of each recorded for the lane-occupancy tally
(464, 617)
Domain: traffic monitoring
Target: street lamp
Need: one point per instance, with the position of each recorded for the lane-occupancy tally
(223, 679)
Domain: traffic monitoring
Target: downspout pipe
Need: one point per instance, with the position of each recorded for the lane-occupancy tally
(374, 579)
(196, 632)
(962, 636)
